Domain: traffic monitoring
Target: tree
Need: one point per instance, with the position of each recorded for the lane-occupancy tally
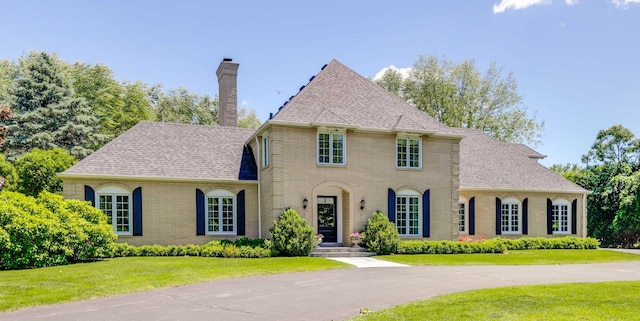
(37, 170)
(8, 175)
(616, 145)
(181, 106)
(47, 115)
(459, 95)
(248, 119)
(8, 72)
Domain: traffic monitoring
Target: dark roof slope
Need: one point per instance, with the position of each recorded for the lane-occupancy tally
(528, 151)
(487, 163)
(339, 96)
(168, 150)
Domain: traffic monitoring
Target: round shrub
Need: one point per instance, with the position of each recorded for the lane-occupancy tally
(380, 235)
(8, 175)
(37, 170)
(292, 235)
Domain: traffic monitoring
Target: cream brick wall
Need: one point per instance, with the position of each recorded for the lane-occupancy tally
(485, 212)
(169, 209)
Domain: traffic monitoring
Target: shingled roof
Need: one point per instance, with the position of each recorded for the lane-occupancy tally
(528, 151)
(169, 151)
(339, 96)
(486, 163)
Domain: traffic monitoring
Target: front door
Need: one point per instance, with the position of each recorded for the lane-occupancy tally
(327, 218)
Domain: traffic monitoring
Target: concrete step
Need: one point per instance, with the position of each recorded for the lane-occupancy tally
(340, 251)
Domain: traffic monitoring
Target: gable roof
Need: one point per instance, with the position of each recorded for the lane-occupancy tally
(170, 151)
(528, 151)
(486, 163)
(339, 96)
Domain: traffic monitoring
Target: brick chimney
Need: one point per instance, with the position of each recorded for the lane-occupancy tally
(227, 93)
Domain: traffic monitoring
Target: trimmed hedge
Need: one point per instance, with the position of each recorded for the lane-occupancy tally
(496, 245)
(254, 248)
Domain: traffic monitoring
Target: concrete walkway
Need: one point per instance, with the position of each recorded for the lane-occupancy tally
(366, 262)
(326, 295)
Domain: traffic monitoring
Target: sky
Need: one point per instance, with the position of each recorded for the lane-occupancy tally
(577, 62)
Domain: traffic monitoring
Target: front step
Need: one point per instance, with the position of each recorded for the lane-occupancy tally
(340, 251)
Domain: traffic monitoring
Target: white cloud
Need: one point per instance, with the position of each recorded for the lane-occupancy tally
(403, 71)
(571, 2)
(518, 4)
(622, 4)
(244, 102)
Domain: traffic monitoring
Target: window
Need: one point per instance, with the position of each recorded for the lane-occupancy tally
(408, 209)
(510, 216)
(265, 151)
(462, 217)
(115, 202)
(331, 148)
(560, 217)
(408, 152)
(221, 212)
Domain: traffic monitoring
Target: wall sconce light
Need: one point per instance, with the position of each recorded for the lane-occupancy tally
(362, 203)
(305, 203)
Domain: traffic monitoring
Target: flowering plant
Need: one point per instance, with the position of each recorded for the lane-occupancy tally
(355, 235)
(469, 239)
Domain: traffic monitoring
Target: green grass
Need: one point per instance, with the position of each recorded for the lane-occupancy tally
(593, 301)
(520, 257)
(24, 288)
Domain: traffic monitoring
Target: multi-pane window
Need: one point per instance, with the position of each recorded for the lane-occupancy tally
(510, 216)
(408, 214)
(560, 216)
(462, 218)
(408, 152)
(331, 148)
(265, 151)
(221, 213)
(117, 206)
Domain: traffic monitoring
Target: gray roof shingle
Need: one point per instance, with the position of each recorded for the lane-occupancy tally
(487, 163)
(339, 96)
(169, 150)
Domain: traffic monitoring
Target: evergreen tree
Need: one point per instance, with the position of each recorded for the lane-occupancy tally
(47, 115)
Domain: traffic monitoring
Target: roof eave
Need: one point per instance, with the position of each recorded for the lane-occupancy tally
(520, 190)
(153, 178)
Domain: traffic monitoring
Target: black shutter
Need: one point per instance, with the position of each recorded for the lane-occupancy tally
(200, 212)
(549, 216)
(426, 213)
(90, 195)
(472, 216)
(498, 216)
(241, 213)
(574, 217)
(137, 211)
(391, 209)
(525, 216)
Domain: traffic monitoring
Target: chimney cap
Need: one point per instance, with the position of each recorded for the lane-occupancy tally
(227, 59)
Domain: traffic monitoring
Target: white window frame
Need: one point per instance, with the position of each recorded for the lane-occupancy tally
(220, 195)
(406, 158)
(265, 151)
(331, 155)
(556, 212)
(512, 228)
(407, 195)
(463, 212)
(114, 192)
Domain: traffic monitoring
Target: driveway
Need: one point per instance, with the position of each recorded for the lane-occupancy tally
(326, 295)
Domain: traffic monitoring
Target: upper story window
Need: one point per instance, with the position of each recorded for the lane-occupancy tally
(115, 202)
(463, 220)
(331, 148)
(265, 151)
(408, 209)
(560, 216)
(221, 212)
(408, 152)
(510, 218)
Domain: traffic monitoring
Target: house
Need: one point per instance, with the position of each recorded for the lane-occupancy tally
(337, 151)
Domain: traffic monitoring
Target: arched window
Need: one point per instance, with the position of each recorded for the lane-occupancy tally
(463, 216)
(221, 212)
(408, 209)
(115, 202)
(511, 216)
(560, 216)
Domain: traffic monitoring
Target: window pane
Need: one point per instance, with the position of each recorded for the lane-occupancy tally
(414, 153)
(461, 218)
(414, 218)
(401, 152)
(227, 214)
(401, 215)
(504, 218)
(122, 213)
(338, 148)
(213, 210)
(323, 148)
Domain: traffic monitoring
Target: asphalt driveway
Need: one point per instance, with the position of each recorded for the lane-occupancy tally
(326, 295)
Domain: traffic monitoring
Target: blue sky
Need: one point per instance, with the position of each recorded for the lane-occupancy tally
(577, 62)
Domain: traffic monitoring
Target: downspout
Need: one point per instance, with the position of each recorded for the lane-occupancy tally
(584, 215)
(259, 183)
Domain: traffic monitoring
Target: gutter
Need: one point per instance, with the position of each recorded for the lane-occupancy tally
(259, 165)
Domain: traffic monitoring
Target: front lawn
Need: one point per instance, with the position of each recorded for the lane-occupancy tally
(23, 288)
(584, 301)
(519, 257)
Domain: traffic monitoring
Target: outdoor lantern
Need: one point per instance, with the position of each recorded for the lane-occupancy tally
(305, 202)
(362, 204)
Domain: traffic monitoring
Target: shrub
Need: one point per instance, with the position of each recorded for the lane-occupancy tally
(37, 170)
(49, 231)
(8, 175)
(292, 235)
(380, 235)
(496, 245)
(222, 248)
